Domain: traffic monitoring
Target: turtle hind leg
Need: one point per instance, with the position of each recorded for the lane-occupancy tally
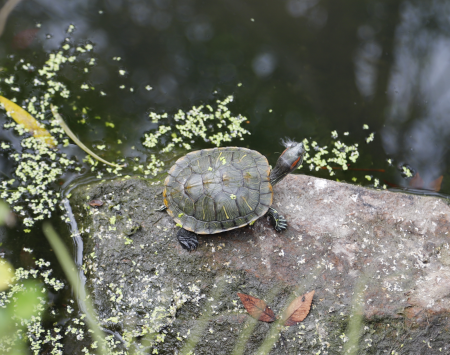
(277, 220)
(187, 239)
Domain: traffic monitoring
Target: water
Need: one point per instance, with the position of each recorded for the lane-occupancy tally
(296, 68)
(318, 66)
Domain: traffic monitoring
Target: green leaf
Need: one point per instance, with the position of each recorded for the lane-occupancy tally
(6, 275)
(27, 302)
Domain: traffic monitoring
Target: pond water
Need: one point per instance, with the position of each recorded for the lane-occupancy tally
(375, 72)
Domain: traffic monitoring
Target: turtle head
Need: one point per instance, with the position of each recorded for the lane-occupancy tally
(288, 161)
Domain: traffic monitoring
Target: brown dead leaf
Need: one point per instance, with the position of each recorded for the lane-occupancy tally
(96, 203)
(257, 308)
(435, 185)
(299, 309)
(417, 183)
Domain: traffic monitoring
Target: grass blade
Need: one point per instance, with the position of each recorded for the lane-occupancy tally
(66, 128)
(67, 264)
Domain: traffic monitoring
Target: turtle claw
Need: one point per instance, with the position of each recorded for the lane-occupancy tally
(280, 224)
(188, 240)
(278, 221)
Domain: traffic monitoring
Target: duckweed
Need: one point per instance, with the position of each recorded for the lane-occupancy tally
(342, 154)
(31, 190)
(201, 122)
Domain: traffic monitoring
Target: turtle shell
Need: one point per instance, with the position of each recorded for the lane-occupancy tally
(214, 190)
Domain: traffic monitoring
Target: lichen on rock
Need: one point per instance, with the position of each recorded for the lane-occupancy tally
(339, 236)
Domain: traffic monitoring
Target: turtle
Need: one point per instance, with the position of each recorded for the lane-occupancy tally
(214, 190)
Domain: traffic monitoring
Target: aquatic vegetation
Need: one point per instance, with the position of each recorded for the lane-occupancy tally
(32, 190)
(22, 306)
(32, 193)
(23, 323)
(197, 122)
(342, 155)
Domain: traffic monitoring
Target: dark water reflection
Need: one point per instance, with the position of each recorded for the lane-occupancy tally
(307, 67)
(417, 122)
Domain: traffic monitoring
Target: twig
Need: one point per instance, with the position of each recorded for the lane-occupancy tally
(5, 11)
(66, 129)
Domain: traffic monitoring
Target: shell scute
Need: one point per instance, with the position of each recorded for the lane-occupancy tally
(213, 190)
(193, 156)
(201, 165)
(183, 161)
(194, 187)
(189, 223)
(205, 209)
(261, 209)
(201, 227)
(266, 188)
(225, 207)
(251, 178)
(226, 225)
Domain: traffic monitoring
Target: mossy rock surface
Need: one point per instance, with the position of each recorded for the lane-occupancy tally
(393, 246)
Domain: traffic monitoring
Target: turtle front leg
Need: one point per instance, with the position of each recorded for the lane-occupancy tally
(277, 220)
(187, 239)
(161, 209)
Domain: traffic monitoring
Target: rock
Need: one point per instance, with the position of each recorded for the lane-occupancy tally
(381, 253)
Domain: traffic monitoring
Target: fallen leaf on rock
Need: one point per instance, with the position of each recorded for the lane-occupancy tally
(96, 203)
(299, 309)
(257, 308)
(23, 118)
